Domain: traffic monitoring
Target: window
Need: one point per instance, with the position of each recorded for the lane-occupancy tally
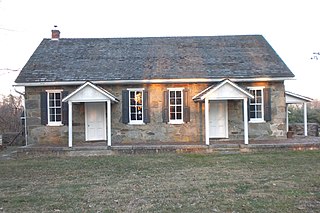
(256, 105)
(135, 106)
(54, 107)
(175, 105)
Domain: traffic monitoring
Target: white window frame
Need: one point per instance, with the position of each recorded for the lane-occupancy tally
(257, 120)
(136, 121)
(175, 121)
(53, 123)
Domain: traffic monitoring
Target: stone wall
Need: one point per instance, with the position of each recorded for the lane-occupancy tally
(298, 129)
(156, 130)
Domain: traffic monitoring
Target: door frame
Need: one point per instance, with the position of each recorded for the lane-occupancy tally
(104, 121)
(225, 102)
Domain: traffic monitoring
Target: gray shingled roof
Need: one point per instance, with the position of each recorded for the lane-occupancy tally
(107, 59)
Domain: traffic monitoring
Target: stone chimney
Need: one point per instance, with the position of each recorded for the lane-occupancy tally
(55, 33)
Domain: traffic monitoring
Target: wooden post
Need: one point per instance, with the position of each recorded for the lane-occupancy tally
(109, 121)
(245, 120)
(206, 117)
(305, 118)
(70, 124)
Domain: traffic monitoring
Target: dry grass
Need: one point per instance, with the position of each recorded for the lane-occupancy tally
(264, 182)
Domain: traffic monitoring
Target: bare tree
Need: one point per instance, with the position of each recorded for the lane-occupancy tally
(10, 113)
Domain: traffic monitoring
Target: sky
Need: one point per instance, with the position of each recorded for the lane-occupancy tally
(291, 27)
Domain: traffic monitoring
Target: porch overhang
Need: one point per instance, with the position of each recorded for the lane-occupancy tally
(293, 98)
(225, 90)
(90, 93)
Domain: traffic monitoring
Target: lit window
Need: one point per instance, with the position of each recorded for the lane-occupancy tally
(136, 107)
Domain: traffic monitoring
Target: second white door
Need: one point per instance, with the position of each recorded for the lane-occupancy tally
(218, 119)
(95, 121)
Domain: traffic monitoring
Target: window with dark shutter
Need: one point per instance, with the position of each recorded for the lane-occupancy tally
(176, 108)
(260, 106)
(52, 108)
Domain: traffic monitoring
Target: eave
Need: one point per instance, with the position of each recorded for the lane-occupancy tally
(154, 81)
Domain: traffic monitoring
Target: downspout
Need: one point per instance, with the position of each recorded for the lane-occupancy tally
(24, 115)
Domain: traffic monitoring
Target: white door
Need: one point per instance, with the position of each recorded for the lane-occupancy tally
(95, 121)
(218, 119)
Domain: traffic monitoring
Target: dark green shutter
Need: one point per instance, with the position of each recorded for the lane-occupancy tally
(146, 110)
(65, 109)
(186, 108)
(267, 104)
(125, 106)
(44, 108)
(165, 107)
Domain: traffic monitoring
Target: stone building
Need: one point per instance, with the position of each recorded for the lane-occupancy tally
(154, 90)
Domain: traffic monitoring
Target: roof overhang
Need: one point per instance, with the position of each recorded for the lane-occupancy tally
(226, 90)
(89, 92)
(155, 81)
(292, 98)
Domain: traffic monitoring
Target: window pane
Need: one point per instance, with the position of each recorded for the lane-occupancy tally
(51, 103)
(57, 96)
(179, 109)
(252, 108)
(172, 109)
(58, 103)
(138, 98)
(259, 108)
(179, 115)
(178, 101)
(58, 111)
(133, 116)
(258, 93)
(132, 102)
(172, 116)
(139, 109)
(139, 117)
(51, 96)
(58, 118)
(178, 94)
(133, 109)
(52, 118)
(252, 115)
(172, 101)
(132, 94)
(172, 94)
(259, 115)
(259, 100)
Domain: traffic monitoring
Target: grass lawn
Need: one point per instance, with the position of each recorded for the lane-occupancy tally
(264, 182)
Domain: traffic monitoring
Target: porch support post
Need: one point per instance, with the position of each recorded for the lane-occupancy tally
(305, 118)
(70, 124)
(245, 120)
(206, 116)
(287, 117)
(109, 121)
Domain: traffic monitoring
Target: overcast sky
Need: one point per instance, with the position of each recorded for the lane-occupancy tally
(291, 27)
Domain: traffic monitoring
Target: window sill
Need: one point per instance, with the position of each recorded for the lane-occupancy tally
(175, 122)
(257, 121)
(134, 123)
(59, 124)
